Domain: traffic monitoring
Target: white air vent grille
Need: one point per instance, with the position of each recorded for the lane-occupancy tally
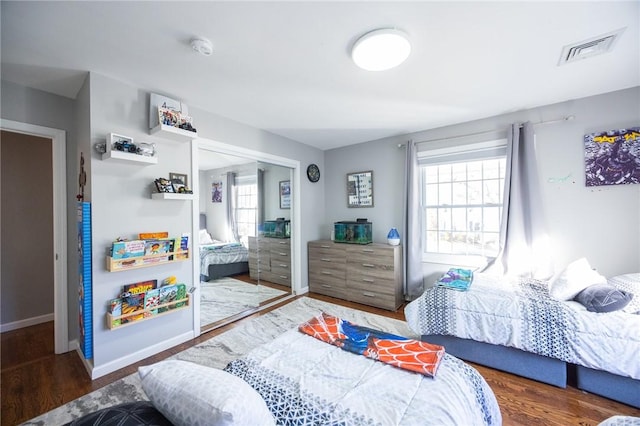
(591, 47)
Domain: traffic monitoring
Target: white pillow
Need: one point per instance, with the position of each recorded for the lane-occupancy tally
(191, 394)
(575, 278)
(205, 237)
(631, 284)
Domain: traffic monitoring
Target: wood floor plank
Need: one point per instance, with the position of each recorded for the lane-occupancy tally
(34, 380)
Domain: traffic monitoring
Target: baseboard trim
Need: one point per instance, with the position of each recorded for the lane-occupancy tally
(26, 322)
(125, 361)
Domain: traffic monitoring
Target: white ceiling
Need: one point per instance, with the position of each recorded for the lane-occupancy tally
(285, 66)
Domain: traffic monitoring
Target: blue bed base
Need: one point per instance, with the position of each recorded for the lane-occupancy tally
(532, 366)
(543, 369)
(618, 388)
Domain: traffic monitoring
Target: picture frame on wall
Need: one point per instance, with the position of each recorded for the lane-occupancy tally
(612, 157)
(285, 194)
(216, 192)
(360, 189)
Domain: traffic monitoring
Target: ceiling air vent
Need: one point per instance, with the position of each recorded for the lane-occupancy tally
(591, 47)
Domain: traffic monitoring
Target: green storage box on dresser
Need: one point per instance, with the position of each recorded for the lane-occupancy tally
(369, 274)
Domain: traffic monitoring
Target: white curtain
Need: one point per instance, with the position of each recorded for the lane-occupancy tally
(524, 242)
(231, 207)
(412, 241)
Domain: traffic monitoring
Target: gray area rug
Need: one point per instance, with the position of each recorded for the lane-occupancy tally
(218, 351)
(225, 297)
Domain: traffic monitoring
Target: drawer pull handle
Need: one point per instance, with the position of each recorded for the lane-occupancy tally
(364, 293)
(281, 242)
(367, 280)
(324, 259)
(326, 286)
(367, 250)
(283, 265)
(368, 265)
(323, 246)
(282, 254)
(326, 273)
(284, 277)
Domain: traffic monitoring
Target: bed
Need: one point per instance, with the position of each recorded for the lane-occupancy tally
(300, 379)
(220, 259)
(515, 325)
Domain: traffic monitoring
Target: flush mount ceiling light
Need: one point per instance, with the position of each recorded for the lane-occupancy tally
(381, 49)
(202, 46)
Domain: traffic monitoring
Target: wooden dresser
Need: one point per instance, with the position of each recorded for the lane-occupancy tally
(370, 274)
(270, 259)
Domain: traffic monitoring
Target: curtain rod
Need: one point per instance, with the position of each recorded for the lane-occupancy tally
(486, 132)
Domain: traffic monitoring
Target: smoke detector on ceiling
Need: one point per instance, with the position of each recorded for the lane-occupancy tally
(202, 46)
(586, 49)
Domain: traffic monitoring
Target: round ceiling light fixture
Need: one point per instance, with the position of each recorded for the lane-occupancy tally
(202, 46)
(381, 49)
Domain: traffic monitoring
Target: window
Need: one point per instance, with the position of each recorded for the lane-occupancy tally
(462, 202)
(246, 208)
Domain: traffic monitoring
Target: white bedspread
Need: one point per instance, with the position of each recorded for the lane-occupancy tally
(522, 315)
(305, 381)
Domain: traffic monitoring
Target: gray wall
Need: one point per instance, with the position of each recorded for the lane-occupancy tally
(601, 224)
(33, 106)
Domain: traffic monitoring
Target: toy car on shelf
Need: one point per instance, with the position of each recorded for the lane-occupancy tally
(125, 146)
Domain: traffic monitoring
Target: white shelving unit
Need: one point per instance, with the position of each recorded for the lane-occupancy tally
(129, 158)
(173, 133)
(124, 156)
(170, 196)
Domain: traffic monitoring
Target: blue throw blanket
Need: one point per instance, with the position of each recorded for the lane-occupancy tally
(456, 279)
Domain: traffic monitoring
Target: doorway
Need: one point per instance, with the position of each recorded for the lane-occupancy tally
(56, 240)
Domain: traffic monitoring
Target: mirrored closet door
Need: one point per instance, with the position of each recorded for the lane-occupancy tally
(244, 235)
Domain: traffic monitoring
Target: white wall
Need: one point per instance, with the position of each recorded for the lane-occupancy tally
(601, 224)
(122, 207)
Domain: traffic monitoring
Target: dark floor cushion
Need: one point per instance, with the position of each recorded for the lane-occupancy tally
(603, 298)
(128, 414)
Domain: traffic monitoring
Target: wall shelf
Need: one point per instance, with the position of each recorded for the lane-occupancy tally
(136, 317)
(170, 196)
(128, 157)
(127, 263)
(173, 133)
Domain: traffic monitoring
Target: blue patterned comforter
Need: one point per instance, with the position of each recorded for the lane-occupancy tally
(308, 382)
(221, 253)
(521, 314)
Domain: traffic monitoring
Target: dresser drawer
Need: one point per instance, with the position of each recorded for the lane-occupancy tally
(372, 298)
(379, 255)
(328, 267)
(328, 285)
(279, 276)
(370, 283)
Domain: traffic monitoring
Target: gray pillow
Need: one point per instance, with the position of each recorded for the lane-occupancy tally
(603, 298)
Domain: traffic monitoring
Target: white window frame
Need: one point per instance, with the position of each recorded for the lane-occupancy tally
(447, 155)
(246, 181)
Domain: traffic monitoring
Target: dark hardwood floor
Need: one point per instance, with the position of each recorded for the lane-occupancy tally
(34, 381)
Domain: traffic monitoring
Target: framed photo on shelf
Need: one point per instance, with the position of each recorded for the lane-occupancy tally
(164, 185)
(285, 194)
(173, 177)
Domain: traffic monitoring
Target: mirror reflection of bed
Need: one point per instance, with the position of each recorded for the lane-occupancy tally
(241, 266)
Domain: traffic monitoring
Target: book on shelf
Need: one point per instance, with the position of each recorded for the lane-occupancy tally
(152, 300)
(140, 287)
(126, 249)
